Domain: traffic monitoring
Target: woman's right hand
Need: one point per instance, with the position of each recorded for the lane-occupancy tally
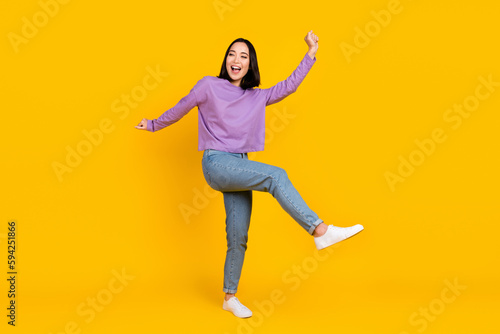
(143, 125)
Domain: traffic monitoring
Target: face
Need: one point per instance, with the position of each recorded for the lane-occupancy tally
(237, 62)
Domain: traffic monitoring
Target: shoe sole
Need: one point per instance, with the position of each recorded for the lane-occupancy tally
(349, 237)
(225, 309)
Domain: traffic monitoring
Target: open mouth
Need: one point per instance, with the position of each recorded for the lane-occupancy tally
(235, 69)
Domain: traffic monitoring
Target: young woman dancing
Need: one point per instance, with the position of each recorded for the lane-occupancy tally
(231, 123)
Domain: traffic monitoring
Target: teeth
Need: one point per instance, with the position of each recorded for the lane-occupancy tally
(235, 68)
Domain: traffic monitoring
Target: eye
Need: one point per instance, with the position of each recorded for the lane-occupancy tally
(244, 57)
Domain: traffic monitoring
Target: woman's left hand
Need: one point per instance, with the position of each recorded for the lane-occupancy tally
(312, 42)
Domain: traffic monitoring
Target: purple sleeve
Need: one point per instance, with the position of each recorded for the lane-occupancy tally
(286, 87)
(175, 113)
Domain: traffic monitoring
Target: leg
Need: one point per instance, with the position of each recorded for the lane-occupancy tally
(234, 172)
(238, 207)
(238, 211)
(236, 176)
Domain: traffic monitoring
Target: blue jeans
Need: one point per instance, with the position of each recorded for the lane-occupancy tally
(236, 176)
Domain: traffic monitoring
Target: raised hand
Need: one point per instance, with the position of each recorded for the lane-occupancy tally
(312, 42)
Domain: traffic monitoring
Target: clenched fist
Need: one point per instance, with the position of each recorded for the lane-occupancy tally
(312, 42)
(143, 125)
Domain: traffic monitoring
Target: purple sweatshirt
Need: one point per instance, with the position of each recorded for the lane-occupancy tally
(230, 118)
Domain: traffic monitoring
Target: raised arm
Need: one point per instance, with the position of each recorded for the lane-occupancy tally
(286, 87)
(172, 115)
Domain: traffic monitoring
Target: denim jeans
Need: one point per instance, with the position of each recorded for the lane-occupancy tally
(236, 176)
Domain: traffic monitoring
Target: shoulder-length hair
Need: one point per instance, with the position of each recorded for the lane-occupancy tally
(252, 78)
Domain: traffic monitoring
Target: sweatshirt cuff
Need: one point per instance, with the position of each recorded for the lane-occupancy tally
(309, 60)
(149, 126)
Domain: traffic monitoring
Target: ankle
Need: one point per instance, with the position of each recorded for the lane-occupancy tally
(228, 296)
(320, 230)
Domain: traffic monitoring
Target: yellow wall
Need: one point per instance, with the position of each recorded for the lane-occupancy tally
(132, 240)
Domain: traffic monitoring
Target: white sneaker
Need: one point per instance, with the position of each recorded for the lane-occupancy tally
(335, 234)
(238, 309)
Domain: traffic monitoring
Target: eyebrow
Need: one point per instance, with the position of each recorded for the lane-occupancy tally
(241, 52)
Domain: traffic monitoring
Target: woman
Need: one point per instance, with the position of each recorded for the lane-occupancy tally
(231, 123)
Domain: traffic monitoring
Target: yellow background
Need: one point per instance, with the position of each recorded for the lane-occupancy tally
(121, 207)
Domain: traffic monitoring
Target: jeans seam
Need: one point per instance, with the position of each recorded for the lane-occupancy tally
(233, 241)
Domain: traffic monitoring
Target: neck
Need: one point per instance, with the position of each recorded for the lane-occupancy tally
(236, 82)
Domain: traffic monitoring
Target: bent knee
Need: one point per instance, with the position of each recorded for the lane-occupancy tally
(279, 174)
